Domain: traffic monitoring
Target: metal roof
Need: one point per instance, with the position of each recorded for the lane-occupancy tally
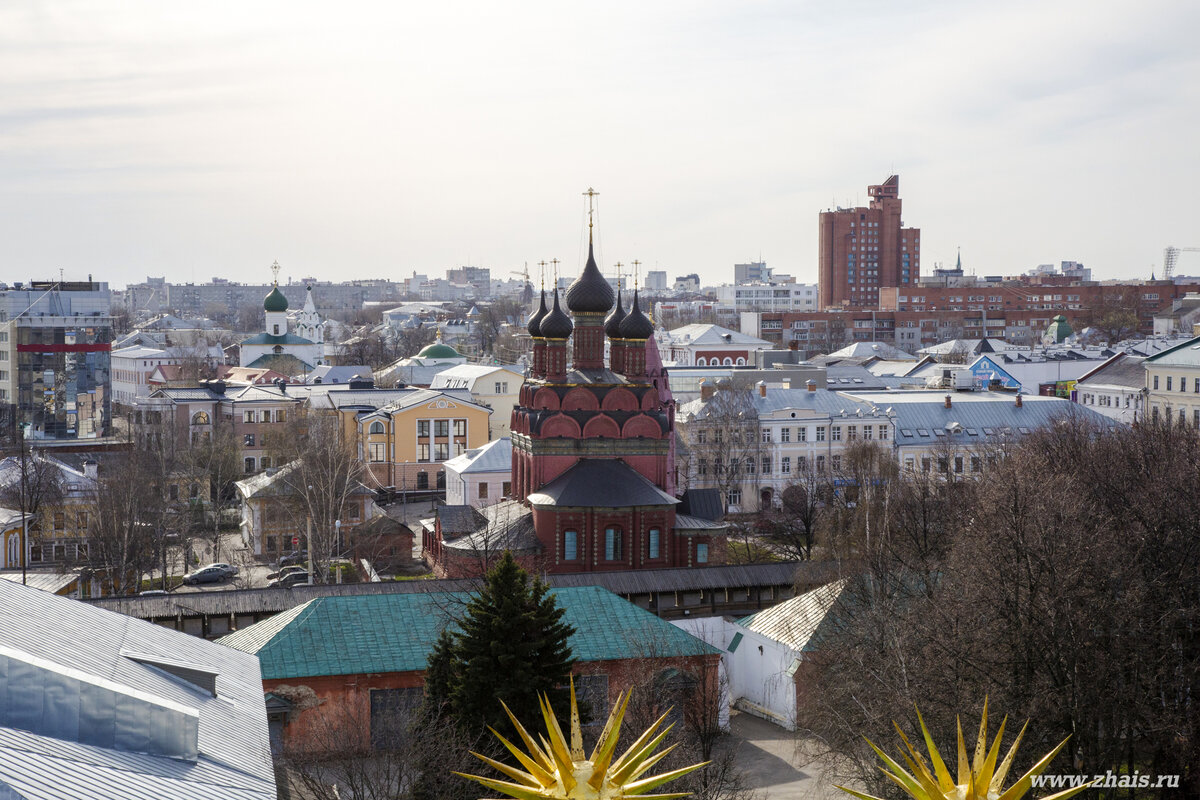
(91, 694)
(1121, 370)
(601, 483)
(795, 622)
(53, 582)
(245, 602)
(1185, 354)
(396, 633)
(495, 456)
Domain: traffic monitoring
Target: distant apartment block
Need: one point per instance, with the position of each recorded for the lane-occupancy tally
(656, 280)
(754, 272)
(687, 283)
(867, 248)
(198, 299)
(768, 297)
(55, 343)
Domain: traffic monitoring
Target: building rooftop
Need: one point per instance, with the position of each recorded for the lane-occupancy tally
(352, 635)
(495, 456)
(102, 705)
(600, 482)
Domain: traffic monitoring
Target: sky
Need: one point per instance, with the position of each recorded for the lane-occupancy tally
(378, 139)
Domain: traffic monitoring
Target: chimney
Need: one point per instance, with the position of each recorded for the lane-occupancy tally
(91, 469)
(948, 403)
(1018, 401)
(762, 388)
(706, 389)
(811, 385)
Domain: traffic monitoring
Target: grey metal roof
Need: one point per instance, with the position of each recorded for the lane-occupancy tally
(495, 456)
(974, 417)
(53, 582)
(684, 522)
(246, 602)
(459, 519)
(507, 525)
(1120, 370)
(704, 503)
(600, 483)
(1186, 354)
(84, 698)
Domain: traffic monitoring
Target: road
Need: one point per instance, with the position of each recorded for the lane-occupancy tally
(776, 763)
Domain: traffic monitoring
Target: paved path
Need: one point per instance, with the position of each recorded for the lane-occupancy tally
(775, 763)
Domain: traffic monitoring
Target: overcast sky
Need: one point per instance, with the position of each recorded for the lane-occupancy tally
(353, 139)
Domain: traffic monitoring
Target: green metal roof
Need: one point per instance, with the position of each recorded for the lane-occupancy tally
(357, 634)
(275, 301)
(439, 350)
(266, 338)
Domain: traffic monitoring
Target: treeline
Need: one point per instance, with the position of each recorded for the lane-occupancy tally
(1062, 585)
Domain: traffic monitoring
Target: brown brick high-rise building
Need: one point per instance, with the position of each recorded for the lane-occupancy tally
(863, 249)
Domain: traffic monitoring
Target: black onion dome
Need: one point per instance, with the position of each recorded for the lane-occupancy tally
(612, 324)
(535, 319)
(590, 292)
(636, 325)
(556, 324)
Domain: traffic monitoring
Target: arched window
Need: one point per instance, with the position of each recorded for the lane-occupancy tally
(728, 361)
(376, 427)
(570, 545)
(14, 551)
(277, 350)
(612, 544)
(200, 418)
(422, 480)
(701, 362)
(741, 361)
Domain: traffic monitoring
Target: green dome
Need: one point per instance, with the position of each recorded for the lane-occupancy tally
(439, 350)
(275, 301)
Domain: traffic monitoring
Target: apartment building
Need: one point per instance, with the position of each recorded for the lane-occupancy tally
(866, 249)
(1172, 388)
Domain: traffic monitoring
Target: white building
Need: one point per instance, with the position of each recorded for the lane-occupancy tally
(704, 345)
(480, 477)
(132, 367)
(1114, 389)
(493, 386)
(763, 297)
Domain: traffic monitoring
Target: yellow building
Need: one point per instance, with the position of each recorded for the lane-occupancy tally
(1173, 384)
(405, 442)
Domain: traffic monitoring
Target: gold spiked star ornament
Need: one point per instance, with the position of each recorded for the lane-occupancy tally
(981, 779)
(552, 769)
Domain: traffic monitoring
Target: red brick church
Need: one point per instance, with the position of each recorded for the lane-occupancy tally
(593, 464)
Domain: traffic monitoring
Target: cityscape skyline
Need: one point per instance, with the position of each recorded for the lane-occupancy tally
(193, 142)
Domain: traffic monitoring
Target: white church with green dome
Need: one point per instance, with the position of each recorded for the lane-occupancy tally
(277, 346)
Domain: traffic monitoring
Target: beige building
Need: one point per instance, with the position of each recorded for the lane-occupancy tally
(1173, 384)
(491, 386)
(405, 442)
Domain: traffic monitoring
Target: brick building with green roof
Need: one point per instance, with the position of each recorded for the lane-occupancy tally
(363, 656)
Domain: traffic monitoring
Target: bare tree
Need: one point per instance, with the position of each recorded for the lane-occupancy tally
(31, 482)
(724, 441)
(123, 536)
(791, 530)
(216, 458)
(323, 474)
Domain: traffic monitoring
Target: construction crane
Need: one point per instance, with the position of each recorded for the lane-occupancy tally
(1171, 258)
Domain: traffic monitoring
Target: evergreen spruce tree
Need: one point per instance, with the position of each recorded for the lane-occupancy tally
(512, 646)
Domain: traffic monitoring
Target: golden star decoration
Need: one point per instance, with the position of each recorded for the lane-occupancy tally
(552, 769)
(979, 780)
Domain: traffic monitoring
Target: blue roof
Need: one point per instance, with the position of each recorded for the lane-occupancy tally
(357, 634)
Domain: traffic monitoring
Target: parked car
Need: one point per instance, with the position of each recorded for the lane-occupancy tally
(294, 557)
(207, 575)
(289, 580)
(285, 571)
(229, 569)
